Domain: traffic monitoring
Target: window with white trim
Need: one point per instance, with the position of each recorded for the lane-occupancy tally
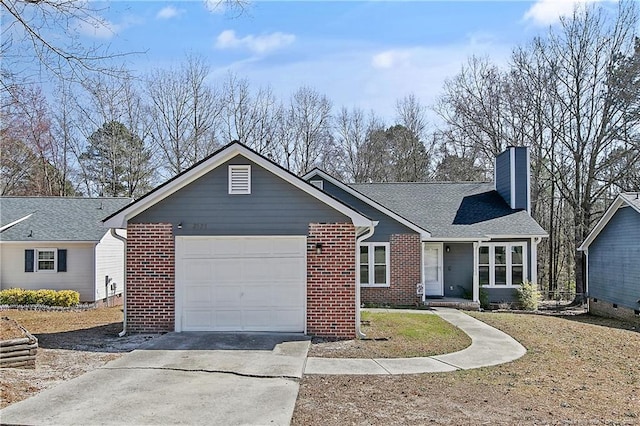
(240, 179)
(502, 264)
(46, 260)
(373, 263)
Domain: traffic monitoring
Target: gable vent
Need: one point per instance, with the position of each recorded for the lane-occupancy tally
(239, 179)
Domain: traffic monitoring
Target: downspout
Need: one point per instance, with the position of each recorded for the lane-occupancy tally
(114, 234)
(359, 239)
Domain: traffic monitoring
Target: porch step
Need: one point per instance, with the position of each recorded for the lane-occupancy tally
(463, 304)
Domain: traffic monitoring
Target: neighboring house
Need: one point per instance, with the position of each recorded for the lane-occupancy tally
(453, 238)
(59, 243)
(237, 243)
(612, 252)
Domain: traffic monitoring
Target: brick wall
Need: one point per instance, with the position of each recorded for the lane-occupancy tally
(331, 280)
(405, 258)
(150, 278)
(606, 309)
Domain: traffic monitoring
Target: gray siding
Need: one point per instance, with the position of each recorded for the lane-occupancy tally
(274, 207)
(614, 260)
(503, 175)
(522, 183)
(386, 225)
(502, 295)
(504, 178)
(458, 269)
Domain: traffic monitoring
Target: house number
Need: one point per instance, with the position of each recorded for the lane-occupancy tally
(199, 226)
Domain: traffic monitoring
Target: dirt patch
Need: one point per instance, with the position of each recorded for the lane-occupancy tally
(70, 343)
(9, 329)
(575, 372)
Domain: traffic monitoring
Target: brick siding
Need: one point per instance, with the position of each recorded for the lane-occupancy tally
(331, 280)
(405, 258)
(150, 278)
(605, 309)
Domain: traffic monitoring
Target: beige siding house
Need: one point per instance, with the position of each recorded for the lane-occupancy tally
(59, 243)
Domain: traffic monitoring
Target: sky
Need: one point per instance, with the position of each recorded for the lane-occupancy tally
(365, 54)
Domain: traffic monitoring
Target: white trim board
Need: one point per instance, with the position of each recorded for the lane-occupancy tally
(119, 219)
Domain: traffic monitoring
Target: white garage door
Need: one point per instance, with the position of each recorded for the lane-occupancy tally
(240, 283)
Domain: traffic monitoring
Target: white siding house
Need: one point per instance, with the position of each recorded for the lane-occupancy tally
(59, 243)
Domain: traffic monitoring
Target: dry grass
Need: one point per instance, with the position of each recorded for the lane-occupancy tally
(70, 344)
(574, 372)
(397, 335)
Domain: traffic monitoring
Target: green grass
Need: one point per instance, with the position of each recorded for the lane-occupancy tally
(397, 335)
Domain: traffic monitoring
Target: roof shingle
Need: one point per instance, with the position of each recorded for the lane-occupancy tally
(56, 218)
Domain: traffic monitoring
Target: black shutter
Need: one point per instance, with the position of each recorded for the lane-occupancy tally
(62, 260)
(28, 260)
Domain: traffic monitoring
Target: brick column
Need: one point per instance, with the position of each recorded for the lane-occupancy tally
(331, 280)
(150, 282)
(405, 258)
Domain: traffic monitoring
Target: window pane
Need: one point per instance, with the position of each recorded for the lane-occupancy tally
(501, 275)
(516, 275)
(484, 255)
(45, 255)
(45, 265)
(364, 274)
(483, 273)
(501, 255)
(380, 274)
(516, 255)
(379, 256)
(364, 255)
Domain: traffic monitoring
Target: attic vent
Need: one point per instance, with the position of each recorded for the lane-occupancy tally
(317, 183)
(239, 179)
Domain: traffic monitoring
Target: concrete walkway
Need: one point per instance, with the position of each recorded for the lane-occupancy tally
(489, 346)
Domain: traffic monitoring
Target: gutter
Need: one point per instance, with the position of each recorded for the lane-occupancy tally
(114, 234)
(359, 239)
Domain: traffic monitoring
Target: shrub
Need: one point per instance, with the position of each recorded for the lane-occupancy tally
(18, 296)
(529, 296)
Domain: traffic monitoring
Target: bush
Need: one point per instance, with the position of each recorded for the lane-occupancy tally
(529, 296)
(18, 296)
(484, 298)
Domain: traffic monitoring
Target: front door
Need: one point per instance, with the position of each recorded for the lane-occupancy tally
(432, 269)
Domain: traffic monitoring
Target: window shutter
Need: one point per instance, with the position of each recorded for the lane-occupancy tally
(28, 260)
(239, 179)
(62, 260)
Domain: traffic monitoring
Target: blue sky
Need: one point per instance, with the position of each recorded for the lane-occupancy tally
(359, 53)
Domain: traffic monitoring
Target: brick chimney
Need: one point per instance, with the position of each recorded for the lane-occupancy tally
(512, 177)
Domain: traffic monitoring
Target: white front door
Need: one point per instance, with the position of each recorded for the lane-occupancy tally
(240, 283)
(432, 269)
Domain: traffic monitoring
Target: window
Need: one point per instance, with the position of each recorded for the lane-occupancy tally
(374, 265)
(46, 260)
(502, 264)
(239, 179)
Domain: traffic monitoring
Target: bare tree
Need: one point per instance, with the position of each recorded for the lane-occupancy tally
(183, 112)
(308, 117)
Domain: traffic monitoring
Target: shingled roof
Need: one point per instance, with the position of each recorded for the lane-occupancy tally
(467, 210)
(56, 218)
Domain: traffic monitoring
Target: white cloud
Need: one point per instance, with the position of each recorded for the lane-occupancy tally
(256, 44)
(98, 28)
(168, 12)
(549, 12)
(356, 75)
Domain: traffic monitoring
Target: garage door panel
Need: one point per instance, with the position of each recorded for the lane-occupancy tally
(195, 295)
(242, 283)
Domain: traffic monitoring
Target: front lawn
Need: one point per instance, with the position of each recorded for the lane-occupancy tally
(397, 335)
(574, 372)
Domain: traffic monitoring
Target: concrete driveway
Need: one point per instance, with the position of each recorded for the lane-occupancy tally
(180, 378)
